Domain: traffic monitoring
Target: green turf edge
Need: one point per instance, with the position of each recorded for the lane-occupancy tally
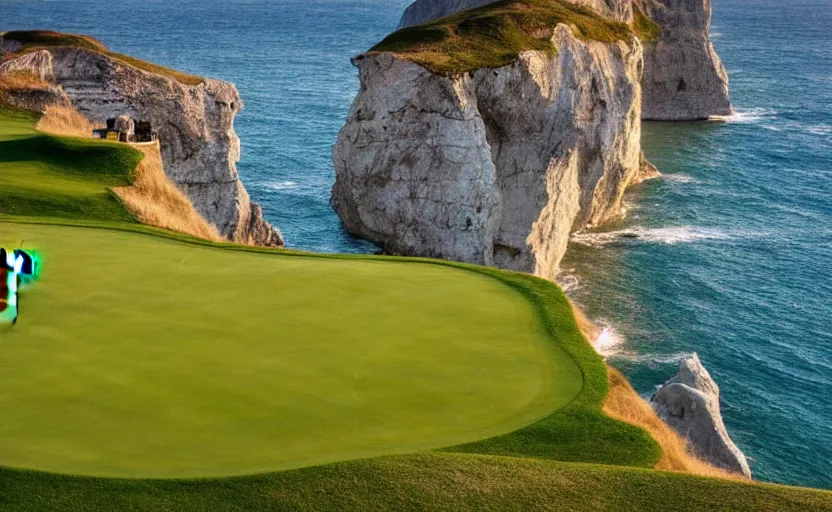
(109, 164)
(424, 481)
(581, 431)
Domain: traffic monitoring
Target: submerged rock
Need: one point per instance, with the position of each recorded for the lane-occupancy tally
(689, 403)
(194, 121)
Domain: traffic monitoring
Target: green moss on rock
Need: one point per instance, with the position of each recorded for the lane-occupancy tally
(494, 35)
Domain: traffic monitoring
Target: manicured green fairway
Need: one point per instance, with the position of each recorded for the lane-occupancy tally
(145, 357)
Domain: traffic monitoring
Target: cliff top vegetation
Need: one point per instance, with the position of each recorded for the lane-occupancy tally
(33, 40)
(494, 35)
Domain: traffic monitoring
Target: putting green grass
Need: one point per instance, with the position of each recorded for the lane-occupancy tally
(144, 357)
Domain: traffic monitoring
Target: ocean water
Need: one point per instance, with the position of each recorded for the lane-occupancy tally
(732, 255)
(728, 255)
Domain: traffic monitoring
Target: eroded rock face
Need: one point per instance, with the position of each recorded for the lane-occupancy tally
(195, 124)
(684, 79)
(689, 402)
(495, 167)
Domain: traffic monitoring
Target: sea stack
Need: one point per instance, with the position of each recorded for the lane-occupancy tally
(684, 78)
(689, 403)
(496, 166)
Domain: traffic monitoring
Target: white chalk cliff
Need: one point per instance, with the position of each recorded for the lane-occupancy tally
(684, 78)
(195, 124)
(689, 402)
(496, 166)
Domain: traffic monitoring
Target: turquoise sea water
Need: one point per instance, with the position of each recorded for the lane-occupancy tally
(734, 246)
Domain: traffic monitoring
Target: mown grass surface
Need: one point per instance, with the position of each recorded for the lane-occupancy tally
(33, 40)
(177, 311)
(581, 431)
(435, 482)
(139, 356)
(46, 176)
(494, 35)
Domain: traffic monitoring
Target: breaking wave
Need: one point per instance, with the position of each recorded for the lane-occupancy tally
(678, 178)
(569, 281)
(668, 236)
(610, 342)
(280, 185)
(748, 116)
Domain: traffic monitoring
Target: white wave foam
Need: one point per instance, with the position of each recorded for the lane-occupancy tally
(569, 281)
(668, 236)
(679, 178)
(609, 342)
(652, 359)
(280, 185)
(747, 117)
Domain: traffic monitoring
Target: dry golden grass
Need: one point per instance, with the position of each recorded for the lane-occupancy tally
(152, 197)
(156, 201)
(623, 403)
(65, 120)
(16, 80)
(587, 328)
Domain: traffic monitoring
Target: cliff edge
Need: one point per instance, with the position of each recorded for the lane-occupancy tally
(684, 78)
(193, 116)
(499, 164)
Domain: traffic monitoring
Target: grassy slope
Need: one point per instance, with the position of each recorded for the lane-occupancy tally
(416, 482)
(493, 35)
(233, 363)
(432, 481)
(43, 175)
(32, 40)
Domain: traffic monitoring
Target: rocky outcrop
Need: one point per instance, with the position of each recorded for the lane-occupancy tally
(195, 124)
(689, 403)
(34, 90)
(496, 166)
(684, 79)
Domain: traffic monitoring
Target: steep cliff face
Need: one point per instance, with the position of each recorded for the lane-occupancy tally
(496, 166)
(689, 403)
(195, 124)
(684, 79)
